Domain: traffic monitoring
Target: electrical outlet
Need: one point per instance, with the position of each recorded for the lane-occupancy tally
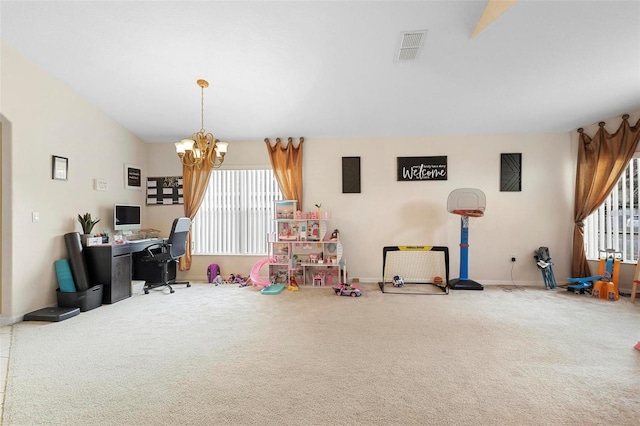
(513, 257)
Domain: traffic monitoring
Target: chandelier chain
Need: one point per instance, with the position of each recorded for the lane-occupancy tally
(202, 109)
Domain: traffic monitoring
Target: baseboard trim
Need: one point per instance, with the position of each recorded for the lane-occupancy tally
(6, 321)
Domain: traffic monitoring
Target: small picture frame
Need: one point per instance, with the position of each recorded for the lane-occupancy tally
(59, 168)
(132, 177)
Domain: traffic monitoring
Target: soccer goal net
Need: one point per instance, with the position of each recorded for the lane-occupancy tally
(415, 270)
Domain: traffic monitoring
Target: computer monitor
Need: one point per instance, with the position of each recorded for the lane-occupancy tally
(126, 217)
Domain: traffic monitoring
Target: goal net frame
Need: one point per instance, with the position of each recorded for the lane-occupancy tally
(418, 266)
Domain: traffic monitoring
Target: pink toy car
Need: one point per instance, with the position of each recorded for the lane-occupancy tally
(347, 290)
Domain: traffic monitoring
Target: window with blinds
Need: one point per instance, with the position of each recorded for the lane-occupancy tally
(236, 214)
(615, 224)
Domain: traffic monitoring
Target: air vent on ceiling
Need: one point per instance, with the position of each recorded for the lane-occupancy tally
(410, 45)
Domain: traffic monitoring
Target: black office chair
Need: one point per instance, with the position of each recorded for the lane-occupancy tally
(169, 251)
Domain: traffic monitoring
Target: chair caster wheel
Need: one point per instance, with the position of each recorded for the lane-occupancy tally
(146, 291)
(172, 291)
(188, 284)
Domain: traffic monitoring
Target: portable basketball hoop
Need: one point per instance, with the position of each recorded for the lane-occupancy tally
(465, 202)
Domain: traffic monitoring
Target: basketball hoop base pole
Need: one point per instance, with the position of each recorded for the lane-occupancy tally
(459, 284)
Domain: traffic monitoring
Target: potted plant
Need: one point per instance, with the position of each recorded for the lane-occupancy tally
(87, 223)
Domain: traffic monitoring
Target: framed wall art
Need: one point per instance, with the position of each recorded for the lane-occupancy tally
(162, 191)
(59, 168)
(510, 172)
(422, 168)
(132, 177)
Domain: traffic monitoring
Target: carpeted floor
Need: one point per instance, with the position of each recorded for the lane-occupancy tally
(226, 355)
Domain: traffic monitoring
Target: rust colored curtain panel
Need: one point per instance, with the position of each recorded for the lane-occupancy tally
(194, 186)
(286, 162)
(601, 161)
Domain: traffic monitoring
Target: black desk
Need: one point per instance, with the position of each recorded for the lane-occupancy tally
(139, 245)
(110, 265)
(114, 265)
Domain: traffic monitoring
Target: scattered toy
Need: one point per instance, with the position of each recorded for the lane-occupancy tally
(217, 280)
(398, 281)
(293, 285)
(343, 289)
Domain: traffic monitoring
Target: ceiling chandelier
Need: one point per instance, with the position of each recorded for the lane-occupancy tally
(202, 148)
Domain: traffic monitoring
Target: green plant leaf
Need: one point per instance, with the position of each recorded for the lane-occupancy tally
(87, 222)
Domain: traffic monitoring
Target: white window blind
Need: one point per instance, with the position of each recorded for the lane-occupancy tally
(615, 224)
(236, 214)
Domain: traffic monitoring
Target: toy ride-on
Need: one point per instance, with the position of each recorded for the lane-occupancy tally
(608, 271)
(347, 290)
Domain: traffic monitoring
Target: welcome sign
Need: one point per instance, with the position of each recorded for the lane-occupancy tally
(422, 168)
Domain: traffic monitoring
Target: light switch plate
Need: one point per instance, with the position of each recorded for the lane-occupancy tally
(100, 184)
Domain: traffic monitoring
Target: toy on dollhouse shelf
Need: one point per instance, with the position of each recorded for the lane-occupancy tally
(281, 277)
(288, 232)
(314, 231)
(328, 279)
(318, 279)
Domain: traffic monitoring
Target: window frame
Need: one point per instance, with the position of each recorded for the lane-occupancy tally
(242, 249)
(614, 223)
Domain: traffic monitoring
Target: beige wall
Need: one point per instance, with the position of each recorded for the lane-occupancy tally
(388, 212)
(42, 117)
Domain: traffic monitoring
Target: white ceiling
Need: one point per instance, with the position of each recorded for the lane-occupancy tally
(328, 69)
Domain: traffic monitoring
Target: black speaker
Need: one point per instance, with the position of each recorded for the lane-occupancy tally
(350, 175)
